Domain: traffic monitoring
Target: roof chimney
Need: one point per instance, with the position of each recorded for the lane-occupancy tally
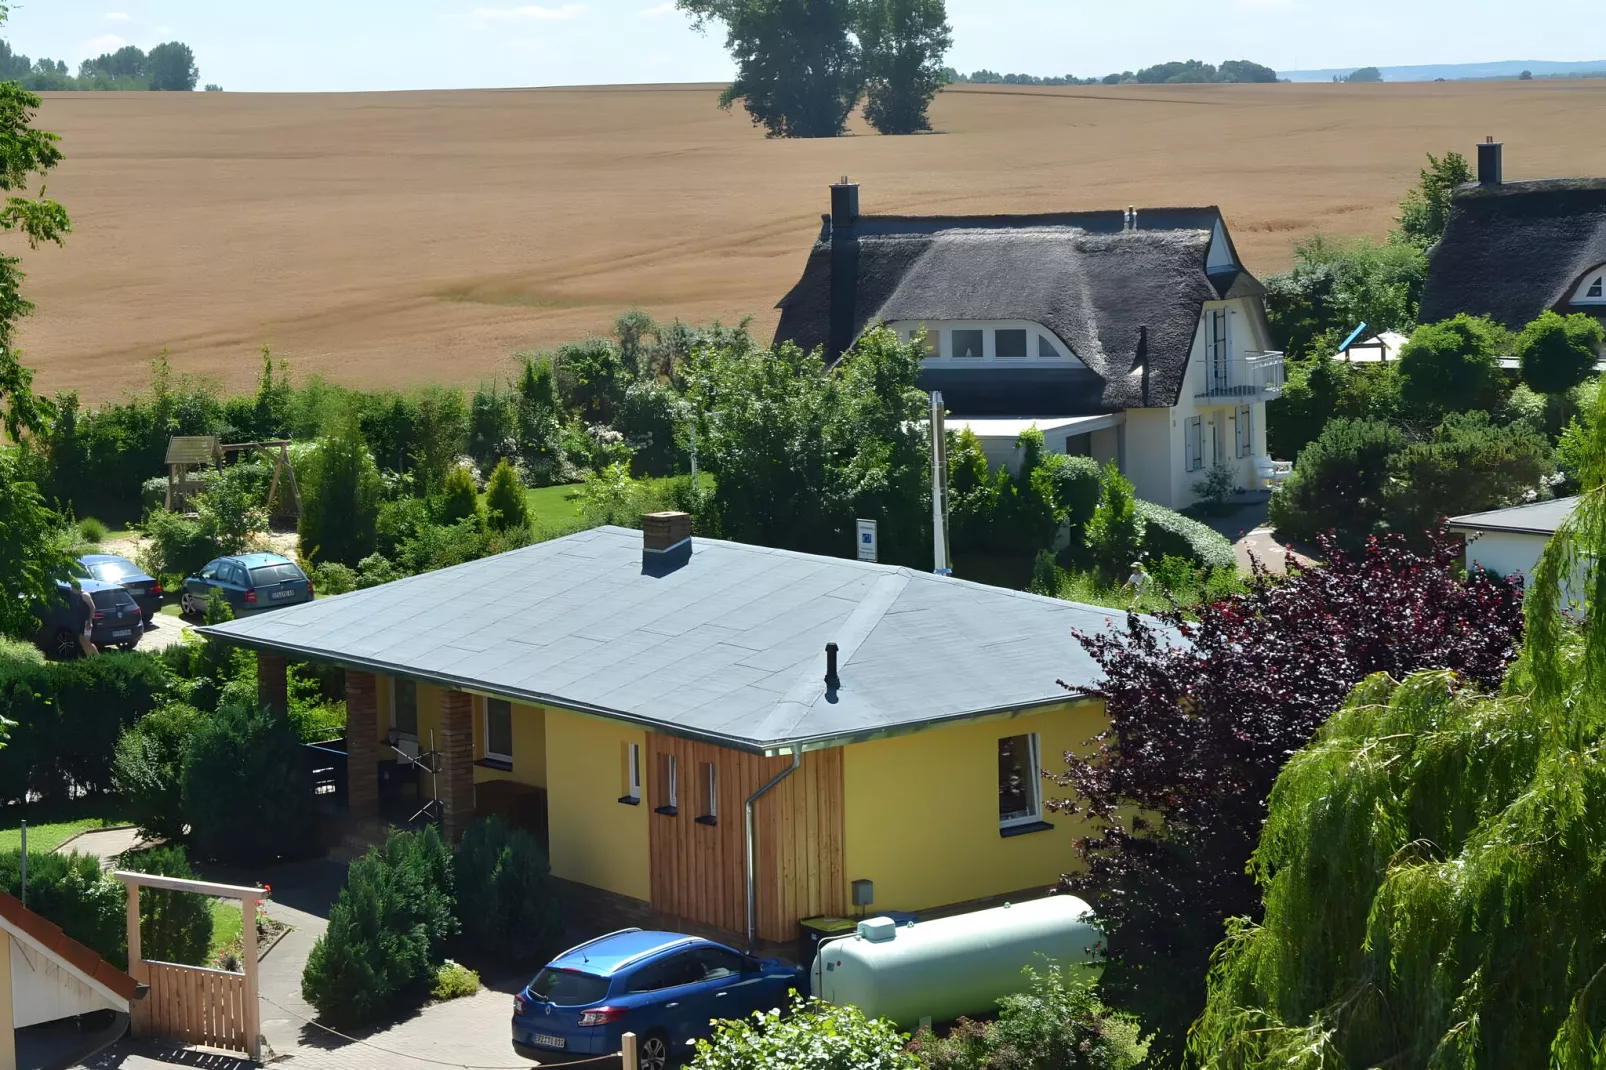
(1490, 164)
(1131, 218)
(665, 542)
(832, 680)
(843, 325)
(844, 203)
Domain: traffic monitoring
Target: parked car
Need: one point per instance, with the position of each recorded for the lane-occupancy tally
(664, 987)
(252, 583)
(117, 622)
(109, 568)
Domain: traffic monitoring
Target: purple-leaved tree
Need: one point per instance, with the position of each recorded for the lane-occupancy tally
(1200, 728)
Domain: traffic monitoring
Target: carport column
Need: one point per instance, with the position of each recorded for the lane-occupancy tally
(456, 781)
(272, 684)
(362, 744)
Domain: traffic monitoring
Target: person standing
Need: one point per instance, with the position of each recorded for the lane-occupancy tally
(84, 621)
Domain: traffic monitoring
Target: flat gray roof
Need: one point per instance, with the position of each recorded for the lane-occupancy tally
(1540, 518)
(729, 647)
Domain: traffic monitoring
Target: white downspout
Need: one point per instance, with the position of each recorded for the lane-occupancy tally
(751, 850)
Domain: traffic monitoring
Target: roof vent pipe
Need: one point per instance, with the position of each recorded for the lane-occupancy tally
(1491, 165)
(832, 680)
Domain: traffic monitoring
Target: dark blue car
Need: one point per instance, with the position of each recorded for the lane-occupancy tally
(664, 987)
(109, 568)
(252, 583)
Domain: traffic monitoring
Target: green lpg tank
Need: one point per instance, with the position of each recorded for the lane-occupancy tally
(940, 970)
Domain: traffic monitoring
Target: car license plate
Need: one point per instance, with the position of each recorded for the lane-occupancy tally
(124, 634)
(547, 1041)
(284, 594)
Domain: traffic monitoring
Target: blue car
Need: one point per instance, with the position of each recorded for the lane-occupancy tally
(252, 583)
(664, 987)
(109, 568)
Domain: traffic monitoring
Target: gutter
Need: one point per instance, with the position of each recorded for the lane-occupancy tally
(750, 849)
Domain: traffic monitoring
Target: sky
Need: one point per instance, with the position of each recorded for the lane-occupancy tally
(342, 45)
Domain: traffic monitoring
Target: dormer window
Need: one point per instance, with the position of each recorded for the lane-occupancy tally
(1017, 343)
(1591, 291)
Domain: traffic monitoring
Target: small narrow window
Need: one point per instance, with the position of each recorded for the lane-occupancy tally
(1019, 781)
(498, 729)
(404, 707)
(967, 345)
(710, 786)
(1009, 344)
(1046, 348)
(632, 774)
(668, 787)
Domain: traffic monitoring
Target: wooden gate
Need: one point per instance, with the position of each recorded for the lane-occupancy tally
(193, 1004)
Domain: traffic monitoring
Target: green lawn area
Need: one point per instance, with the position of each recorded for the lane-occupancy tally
(49, 829)
(555, 507)
(226, 919)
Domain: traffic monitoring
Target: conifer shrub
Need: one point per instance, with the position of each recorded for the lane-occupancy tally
(246, 793)
(148, 768)
(505, 506)
(459, 499)
(505, 898)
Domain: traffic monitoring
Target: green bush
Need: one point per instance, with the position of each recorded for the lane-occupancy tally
(1452, 366)
(218, 610)
(148, 768)
(72, 892)
(1556, 352)
(1167, 533)
(331, 577)
(505, 506)
(340, 490)
(647, 418)
(505, 898)
(1470, 465)
(398, 521)
(813, 1036)
(1057, 1024)
(376, 569)
(178, 544)
(68, 716)
(454, 981)
(92, 531)
(173, 926)
(1078, 486)
(1046, 576)
(459, 499)
(1115, 534)
(246, 795)
(384, 933)
(1338, 483)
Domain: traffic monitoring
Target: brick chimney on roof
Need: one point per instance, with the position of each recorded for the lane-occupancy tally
(665, 542)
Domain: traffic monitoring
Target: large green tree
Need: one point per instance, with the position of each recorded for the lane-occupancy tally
(172, 67)
(799, 71)
(1426, 208)
(340, 497)
(1557, 352)
(1469, 465)
(904, 42)
(1452, 366)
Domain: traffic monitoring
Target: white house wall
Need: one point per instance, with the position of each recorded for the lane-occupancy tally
(1153, 453)
(42, 991)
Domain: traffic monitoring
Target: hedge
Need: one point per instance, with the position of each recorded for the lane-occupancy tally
(246, 793)
(506, 901)
(1167, 533)
(71, 891)
(68, 717)
(173, 926)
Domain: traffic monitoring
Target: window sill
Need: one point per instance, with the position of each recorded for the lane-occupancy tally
(707, 819)
(1024, 829)
(503, 764)
(668, 811)
(630, 800)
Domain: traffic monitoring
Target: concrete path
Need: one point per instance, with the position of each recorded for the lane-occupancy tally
(105, 844)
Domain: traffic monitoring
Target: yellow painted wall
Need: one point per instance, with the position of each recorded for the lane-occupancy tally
(529, 746)
(596, 839)
(921, 812)
(8, 1037)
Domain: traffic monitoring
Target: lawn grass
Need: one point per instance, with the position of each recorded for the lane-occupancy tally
(226, 919)
(555, 507)
(50, 828)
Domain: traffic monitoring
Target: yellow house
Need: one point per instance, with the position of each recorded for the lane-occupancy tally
(739, 736)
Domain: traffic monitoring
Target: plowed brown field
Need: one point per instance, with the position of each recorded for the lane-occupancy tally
(387, 239)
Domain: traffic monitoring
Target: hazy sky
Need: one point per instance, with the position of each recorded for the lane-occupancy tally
(441, 44)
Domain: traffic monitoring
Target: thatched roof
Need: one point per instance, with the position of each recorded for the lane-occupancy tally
(1118, 298)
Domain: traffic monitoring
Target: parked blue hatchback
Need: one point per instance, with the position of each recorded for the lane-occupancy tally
(664, 987)
(109, 568)
(251, 583)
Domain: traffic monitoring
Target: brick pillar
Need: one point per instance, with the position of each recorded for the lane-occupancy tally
(272, 684)
(362, 744)
(456, 780)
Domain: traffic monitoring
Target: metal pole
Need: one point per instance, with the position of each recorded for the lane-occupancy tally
(939, 488)
(24, 864)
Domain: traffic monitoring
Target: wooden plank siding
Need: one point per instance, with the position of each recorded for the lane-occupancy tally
(194, 1005)
(698, 870)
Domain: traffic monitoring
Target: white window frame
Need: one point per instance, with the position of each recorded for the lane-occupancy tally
(633, 771)
(1582, 296)
(1035, 780)
(489, 753)
(1193, 444)
(1036, 337)
(395, 687)
(670, 770)
(710, 806)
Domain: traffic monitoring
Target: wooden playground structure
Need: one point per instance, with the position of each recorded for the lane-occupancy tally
(187, 455)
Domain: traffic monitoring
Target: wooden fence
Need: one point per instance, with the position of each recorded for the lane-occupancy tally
(195, 1005)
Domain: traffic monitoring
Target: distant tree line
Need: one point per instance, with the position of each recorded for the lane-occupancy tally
(167, 67)
(1176, 73)
(1364, 75)
(804, 65)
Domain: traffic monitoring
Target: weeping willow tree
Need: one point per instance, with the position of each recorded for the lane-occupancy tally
(1433, 863)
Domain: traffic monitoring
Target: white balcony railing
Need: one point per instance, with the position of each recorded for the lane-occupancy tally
(1243, 376)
